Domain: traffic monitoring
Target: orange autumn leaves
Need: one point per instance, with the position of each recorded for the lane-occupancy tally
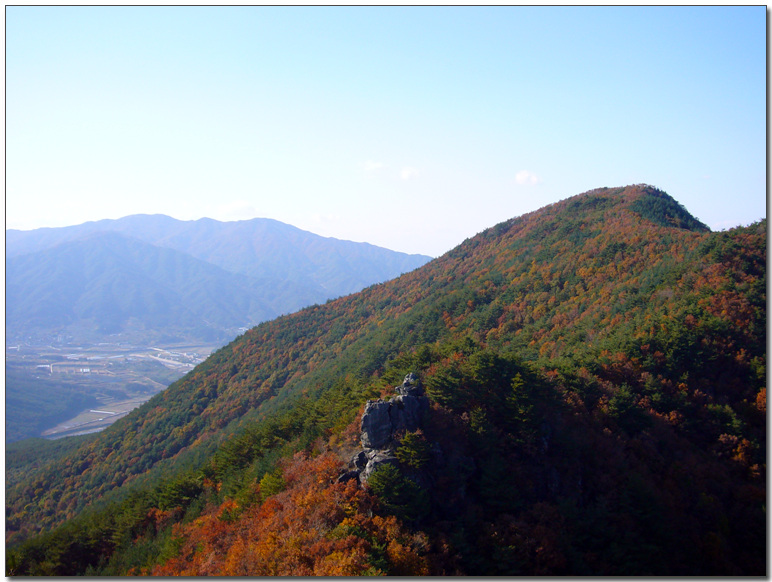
(315, 527)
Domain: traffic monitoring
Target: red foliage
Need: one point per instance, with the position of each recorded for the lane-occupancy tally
(316, 527)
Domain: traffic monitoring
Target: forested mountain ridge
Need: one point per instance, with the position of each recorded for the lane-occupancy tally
(107, 283)
(597, 375)
(142, 263)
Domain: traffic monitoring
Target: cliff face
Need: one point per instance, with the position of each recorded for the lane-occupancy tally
(383, 422)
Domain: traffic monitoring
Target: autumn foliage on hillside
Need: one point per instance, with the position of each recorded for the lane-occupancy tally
(315, 527)
(597, 378)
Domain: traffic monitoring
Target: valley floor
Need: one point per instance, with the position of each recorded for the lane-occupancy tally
(108, 379)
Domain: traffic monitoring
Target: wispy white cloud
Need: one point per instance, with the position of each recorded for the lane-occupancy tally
(371, 166)
(526, 177)
(407, 173)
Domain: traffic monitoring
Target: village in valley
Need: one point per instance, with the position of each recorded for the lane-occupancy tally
(117, 377)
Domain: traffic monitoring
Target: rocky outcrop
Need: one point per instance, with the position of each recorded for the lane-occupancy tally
(375, 459)
(376, 425)
(382, 422)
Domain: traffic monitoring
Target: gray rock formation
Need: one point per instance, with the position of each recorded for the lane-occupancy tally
(375, 460)
(376, 424)
(406, 412)
(410, 386)
(359, 461)
(383, 420)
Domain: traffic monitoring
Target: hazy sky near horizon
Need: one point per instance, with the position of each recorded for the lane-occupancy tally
(411, 128)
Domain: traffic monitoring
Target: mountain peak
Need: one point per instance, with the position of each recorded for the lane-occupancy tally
(648, 202)
(617, 212)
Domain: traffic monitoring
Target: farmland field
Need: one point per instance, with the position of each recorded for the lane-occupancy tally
(63, 390)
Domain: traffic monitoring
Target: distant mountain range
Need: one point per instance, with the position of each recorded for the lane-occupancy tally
(168, 279)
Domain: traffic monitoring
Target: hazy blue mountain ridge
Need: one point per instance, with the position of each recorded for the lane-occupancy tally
(153, 272)
(108, 283)
(258, 247)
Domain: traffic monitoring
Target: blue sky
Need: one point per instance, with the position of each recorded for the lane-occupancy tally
(409, 128)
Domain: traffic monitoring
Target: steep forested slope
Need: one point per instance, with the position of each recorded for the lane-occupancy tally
(596, 372)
